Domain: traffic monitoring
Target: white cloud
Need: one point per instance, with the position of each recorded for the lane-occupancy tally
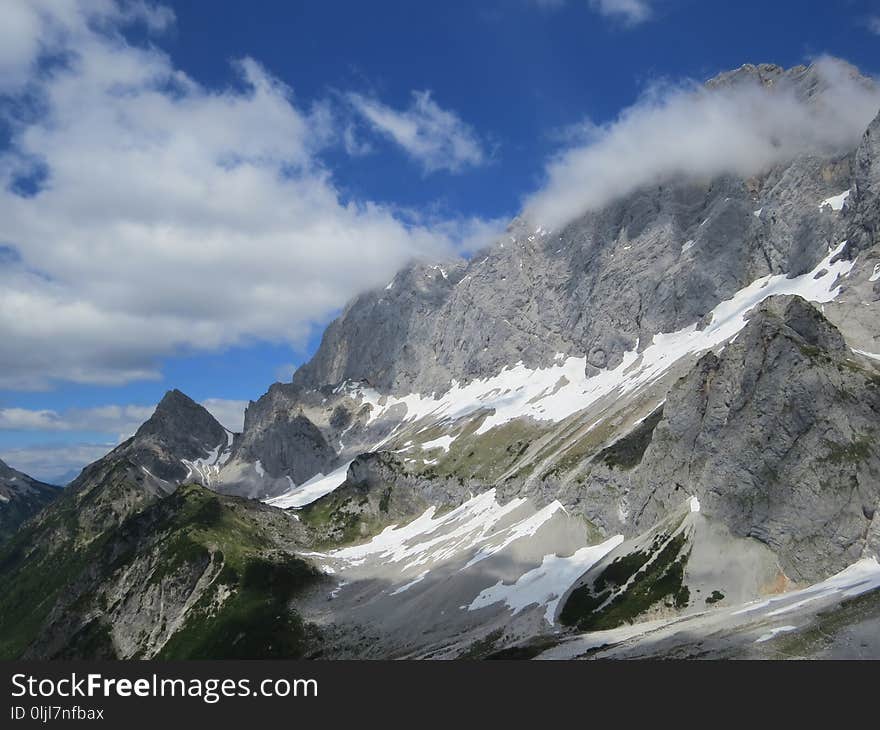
(699, 132)
(353, 145)
(230, 413)
(873, 24)
(114, 419)
(50, 462)
(29, 28)
(437, 138)
(174, 216)
(631, 12)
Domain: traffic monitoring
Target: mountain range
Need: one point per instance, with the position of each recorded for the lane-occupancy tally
(651, 432)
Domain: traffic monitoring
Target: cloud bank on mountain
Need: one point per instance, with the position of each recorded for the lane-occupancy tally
(698, 132)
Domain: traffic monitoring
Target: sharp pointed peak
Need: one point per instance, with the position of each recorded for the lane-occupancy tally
(176, 397)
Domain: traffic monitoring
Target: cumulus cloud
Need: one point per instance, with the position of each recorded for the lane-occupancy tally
(230, 413)
(698, 132)
(115, 419)
(435, 137)
(629, 12)
(30, 28)
(144, 214)
(53, 463)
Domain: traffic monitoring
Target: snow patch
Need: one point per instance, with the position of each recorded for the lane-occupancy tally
(418, 579)
(479, 528)
(836, 202)
(858, 578)
(207, 469)
(545, 584)
(872, 355)
(774, 632)
(315, 488)
(525, 528)
(439, 443)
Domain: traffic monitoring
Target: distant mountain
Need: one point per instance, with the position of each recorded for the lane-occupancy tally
(21, 497)
(62, 480)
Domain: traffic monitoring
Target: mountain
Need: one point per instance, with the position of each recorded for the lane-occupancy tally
(194, 574)
(662, 414)
(21, 497)
(181, 442)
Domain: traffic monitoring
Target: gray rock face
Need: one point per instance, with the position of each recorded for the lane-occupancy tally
(283, 440)
(21, 497)
(777, 437)
(375, 338)
(179, 429)
(655, 261)
(865, 228)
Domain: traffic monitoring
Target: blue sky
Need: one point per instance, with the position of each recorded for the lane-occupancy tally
(157, 160)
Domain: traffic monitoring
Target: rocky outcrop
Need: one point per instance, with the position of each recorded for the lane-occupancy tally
(284, 440)
(778, 438)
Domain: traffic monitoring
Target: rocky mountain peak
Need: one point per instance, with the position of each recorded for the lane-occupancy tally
(6, 471)
(180, 419)
(799, 316)
(807, 82)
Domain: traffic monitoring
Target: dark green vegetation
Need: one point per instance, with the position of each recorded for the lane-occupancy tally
(857, 450)
(191, 575)
(528, 650)
(715, 597)
(484, 646)
(254, 622)
(347, 515)
(372, 498)
(630, 585)
(626, 453)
